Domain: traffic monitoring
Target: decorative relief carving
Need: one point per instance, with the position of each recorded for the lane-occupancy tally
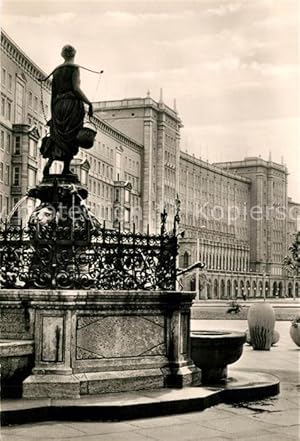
(119, 337)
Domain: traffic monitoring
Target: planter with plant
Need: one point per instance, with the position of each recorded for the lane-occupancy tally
(275, 340)
(261, 323)
(295, 330)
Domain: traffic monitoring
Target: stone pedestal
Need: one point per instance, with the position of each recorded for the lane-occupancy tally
(92, 342)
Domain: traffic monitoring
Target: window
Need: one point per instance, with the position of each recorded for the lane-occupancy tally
(19, 102)
(127, 196)
(3, 77)
(3, 106)
(10, 82)
(30, 99)
(127, 215)
(16, 212)
(118, 166)
(7, 204)
(8, 110)
(16, 175)
(33, 148)
(1, 205)
(1, 171)
(8, 142)
(35, 103)
(117, 198)
(6, 174)
(2, 140)
(84, 177)
(31, 177)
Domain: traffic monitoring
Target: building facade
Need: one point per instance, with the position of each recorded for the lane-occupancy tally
(22, 123)
(111, 170)
(157, 127)
(236, 216)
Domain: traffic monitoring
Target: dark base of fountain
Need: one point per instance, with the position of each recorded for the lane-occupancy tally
(59, 188)
(212, 351)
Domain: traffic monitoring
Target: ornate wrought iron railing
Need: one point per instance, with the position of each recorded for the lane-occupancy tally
(56, 256)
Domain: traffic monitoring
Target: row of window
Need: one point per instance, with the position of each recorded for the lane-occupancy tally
(134, 181)
(5, 173)
(131, 164)
(104, 150)
(104, 213)
(100, 189)
(15, 179)
(170, 158)
(5, 141)
(35, 104)
(4, 205)
(6, 80)
(6, 108)
(31, 121)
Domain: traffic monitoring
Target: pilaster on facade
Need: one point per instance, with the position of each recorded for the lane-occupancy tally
(147, 174)
(160, 166)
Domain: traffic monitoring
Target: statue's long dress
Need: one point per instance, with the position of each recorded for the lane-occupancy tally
(67, 116)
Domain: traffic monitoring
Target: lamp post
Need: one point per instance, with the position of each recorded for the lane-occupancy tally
(197, 284)
(197, 270)
(264, 287)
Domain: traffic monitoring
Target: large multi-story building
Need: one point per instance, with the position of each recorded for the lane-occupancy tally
(236, 216)
(157, 128)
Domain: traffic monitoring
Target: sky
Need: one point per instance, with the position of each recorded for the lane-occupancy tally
(231, 65)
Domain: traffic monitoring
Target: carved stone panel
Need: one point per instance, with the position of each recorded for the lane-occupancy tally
(184, 333)
(119, 336)
(14, 324)
(52, 339)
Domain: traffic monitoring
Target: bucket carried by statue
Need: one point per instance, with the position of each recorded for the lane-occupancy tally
(86, 135)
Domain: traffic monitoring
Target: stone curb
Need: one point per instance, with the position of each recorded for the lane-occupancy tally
(245, 386)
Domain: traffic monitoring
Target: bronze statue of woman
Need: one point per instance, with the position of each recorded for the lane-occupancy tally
(67, 113)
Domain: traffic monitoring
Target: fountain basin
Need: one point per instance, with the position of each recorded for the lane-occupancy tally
(212, 351)
(16, 362)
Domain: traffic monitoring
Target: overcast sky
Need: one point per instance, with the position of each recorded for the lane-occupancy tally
(232, 65)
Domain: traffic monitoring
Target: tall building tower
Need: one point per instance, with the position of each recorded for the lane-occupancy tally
(157, 127)
(268, 212)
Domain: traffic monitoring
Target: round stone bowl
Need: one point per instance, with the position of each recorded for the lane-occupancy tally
(212, 351)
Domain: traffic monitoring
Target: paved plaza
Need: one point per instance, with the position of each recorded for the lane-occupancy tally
(273, 419)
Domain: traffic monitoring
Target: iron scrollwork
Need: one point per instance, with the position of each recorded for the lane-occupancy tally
(79, 256)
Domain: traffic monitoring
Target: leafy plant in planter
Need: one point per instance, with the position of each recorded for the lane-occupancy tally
(261, 323)
(295, 330)
(276, 337)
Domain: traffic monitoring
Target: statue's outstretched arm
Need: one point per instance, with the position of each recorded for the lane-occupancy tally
(76, 87)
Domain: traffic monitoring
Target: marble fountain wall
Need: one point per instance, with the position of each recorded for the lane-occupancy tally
(92, 342)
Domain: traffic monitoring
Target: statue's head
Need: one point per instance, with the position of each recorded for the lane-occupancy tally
(68, 52)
